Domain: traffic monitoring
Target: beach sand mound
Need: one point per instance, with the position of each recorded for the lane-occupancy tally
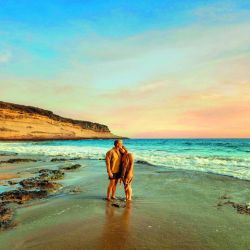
(19, 122)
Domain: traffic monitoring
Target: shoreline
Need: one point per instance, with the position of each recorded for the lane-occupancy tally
(61, 139)
(117, 137)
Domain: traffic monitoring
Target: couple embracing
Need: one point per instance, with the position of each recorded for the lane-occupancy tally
(120, 166)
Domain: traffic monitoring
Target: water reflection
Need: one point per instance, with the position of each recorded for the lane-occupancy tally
(116, 230)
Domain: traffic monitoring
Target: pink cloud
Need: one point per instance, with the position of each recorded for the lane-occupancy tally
(197, 133)
(234, 113)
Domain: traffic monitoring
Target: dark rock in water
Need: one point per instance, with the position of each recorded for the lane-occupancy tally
(75, 190)
(72, 167)
(37, 183)
(19, 196)
(58, 159)
(7, 154)
(42, 186)
(49, 174)
(72, 190)
(225, 197)
(115, 205)
(144, 162)
(219, 204)
(65, 159)
(75, 158)
(6, 215)
(241, 208)
(119, 204)
(18, 160)
(13, 182)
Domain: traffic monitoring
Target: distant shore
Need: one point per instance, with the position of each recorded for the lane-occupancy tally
(27, 123)
(61, 139)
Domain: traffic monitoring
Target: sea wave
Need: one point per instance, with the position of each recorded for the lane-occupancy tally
(234, 165)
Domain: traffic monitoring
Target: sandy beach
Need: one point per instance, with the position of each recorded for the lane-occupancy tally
(171, 209)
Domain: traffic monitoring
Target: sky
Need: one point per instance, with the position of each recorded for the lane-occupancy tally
(147, 69)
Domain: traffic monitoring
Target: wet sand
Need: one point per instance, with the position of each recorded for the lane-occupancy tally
(171, 210)
(8, 176)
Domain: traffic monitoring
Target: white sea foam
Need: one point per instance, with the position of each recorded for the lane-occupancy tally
(229, 164)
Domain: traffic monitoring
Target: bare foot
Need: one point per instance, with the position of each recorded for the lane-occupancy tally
(113, 198)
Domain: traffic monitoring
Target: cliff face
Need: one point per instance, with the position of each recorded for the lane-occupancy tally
(19, 122)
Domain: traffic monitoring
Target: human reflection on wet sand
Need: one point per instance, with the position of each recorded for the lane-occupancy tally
(115, 233)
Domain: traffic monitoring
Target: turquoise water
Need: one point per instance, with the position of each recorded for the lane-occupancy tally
(220, 156)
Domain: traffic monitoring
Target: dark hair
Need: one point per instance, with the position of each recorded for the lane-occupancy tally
(116, 141)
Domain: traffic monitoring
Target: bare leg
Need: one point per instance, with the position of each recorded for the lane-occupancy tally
(110, 189)
(126, 191)
(129, 192)
(114, 189)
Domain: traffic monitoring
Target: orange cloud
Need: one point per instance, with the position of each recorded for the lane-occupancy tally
(229, 116)
(198, 133)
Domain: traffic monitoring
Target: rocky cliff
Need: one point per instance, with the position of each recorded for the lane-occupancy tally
(19, 122)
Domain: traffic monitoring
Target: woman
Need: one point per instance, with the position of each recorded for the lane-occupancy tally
(127, 171)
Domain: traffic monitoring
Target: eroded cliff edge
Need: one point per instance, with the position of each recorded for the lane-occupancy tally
(20, 122)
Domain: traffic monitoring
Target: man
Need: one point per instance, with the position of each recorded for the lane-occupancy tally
(113, 164)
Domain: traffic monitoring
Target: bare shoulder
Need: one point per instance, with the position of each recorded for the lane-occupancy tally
(131, 156)
(109, 153)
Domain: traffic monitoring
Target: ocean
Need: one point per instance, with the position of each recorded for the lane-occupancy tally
(230, 157)
(182, 196)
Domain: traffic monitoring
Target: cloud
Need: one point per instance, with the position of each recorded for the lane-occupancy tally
(140, 92)
(54, 94)
(232, 115)
(176, 53)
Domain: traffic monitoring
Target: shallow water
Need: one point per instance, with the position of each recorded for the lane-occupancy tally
(172, 209)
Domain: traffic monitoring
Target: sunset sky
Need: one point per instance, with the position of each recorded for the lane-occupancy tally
(145, 68)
